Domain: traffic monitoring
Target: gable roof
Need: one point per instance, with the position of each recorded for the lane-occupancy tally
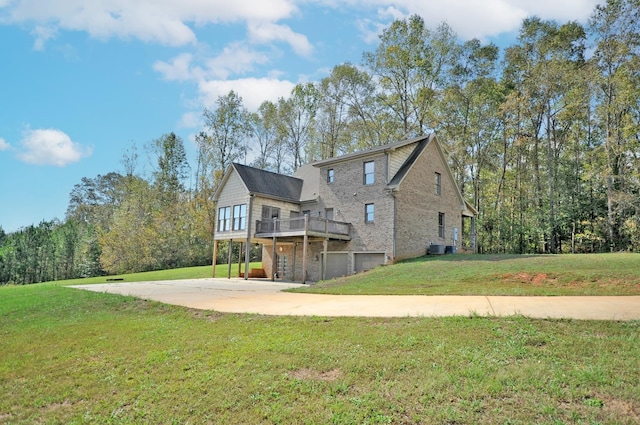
(265, 183)
(368, 152)
(408, 163)
(395, 182)
(310, 176)
(304, 185)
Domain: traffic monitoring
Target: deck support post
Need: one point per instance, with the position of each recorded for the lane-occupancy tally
(293, 261)
(274, 263)
(247, 253)
(215, 256)
(230, 252)
(325, 244)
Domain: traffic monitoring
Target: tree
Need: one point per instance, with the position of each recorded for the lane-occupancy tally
(356, 119)
(227, 129)
(411, 64)
(333, 117)
(468, 117)
(616, 28)
(172, 167)
(264, 126)
(296, 117)
(543, 69)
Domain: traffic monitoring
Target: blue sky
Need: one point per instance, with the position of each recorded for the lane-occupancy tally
(81, 80)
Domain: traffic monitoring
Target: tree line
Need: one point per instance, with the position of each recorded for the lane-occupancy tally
(543, 137)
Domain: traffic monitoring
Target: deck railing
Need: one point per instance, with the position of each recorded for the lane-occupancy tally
(314, 224)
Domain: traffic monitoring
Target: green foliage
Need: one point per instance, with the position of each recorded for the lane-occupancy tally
(172, 167)
(49, 251)
(228, 127)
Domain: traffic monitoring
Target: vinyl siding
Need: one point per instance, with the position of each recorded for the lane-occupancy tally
(397, 158)
(233, 193)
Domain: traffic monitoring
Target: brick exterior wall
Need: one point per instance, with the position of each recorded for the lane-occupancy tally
(348, 195)
(418, 206)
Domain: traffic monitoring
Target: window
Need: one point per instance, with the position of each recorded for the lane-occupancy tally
(224, 217)
(270, 212)
(330, 175)
(438, 184)
(369, 168)
(296, 222)
(240, 217)
(328, 213)
(368, 213)
(441, 225)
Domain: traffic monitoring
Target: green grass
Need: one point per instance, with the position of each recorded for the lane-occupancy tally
(200, 272)
(77, 357)
(584, 274)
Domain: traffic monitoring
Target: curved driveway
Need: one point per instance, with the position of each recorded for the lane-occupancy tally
(265, 297)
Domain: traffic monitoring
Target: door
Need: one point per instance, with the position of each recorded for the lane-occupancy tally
(268, 214)
(366, 261)
(328, 213)
(337, 265)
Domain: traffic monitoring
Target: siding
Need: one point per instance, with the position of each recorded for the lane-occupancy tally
(397, 158)
(285, 209)
(233, 193)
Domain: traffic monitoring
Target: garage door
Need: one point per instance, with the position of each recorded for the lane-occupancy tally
(367, 261)
(336, 265)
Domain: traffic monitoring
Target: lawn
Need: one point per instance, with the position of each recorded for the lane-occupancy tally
(77, 357)
(200, 272)
(584, 274)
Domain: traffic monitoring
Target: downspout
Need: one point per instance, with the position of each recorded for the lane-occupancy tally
(395, 222)
(247, 260)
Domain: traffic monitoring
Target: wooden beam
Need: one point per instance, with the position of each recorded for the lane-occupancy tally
(215, 257)
(325, 244)
(247, 254)
(230, 252)
(274, 263)
(293, 261)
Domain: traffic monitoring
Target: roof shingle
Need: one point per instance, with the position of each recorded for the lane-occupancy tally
(270, 184)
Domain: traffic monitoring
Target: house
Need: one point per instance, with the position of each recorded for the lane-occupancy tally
(347, 214)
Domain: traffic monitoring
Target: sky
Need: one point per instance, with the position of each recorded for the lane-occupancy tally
(81, 81)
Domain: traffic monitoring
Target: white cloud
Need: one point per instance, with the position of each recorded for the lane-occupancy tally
(50, 147)
(162, 21)
(253, 91)
(177, 69)
(4, 146)
(267, 32)
(191, 120)
(42, 35)
(236, 58)
(172, 22)
(468, 18)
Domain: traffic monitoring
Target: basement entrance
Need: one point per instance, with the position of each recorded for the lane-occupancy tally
(366, 261)
(337, 265)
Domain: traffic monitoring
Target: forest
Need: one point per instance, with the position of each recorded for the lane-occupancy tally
(543, 138)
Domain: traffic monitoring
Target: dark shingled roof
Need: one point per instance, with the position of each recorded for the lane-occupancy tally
(270, 184)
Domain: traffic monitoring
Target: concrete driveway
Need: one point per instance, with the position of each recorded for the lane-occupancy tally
(265, 297)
